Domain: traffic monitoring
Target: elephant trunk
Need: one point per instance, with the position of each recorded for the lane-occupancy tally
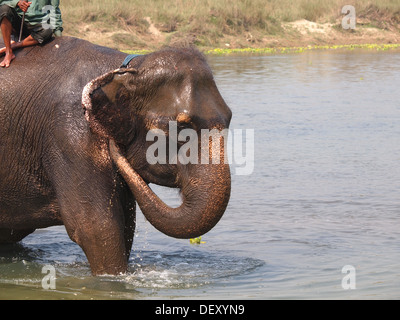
(205, 190)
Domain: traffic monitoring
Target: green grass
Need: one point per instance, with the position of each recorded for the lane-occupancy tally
(235, 14)
(207, 23)
(286, 50)
(280, 50)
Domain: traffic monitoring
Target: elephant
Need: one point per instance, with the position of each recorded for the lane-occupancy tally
(73, 128)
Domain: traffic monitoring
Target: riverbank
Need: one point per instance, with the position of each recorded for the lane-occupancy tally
(230, 26)
(283, 50)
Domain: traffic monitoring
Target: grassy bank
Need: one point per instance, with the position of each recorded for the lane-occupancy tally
(233, 24)
(280, 50)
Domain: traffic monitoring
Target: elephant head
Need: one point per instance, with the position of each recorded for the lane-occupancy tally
(125, 104)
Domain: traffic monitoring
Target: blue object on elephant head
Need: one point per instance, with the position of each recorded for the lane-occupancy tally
(128, 59)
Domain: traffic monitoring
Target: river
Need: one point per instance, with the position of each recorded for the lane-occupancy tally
(318, 217)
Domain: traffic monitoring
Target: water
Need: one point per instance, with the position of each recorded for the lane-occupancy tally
(324, 194)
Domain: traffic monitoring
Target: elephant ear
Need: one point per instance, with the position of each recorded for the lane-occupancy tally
(107, 104)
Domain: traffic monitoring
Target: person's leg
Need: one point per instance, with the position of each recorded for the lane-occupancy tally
(38, 36)
(27, 42)
(6, 30)
(10, 24)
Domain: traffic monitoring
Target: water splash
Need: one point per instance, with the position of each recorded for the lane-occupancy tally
(187, 269)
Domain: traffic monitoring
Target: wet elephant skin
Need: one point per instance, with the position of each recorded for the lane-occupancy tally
(73, 145)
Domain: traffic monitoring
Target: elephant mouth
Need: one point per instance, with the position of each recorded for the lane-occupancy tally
(205, 190)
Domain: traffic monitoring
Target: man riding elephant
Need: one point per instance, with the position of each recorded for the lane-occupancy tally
(39, 19)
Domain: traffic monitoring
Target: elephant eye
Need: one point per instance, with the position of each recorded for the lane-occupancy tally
(183, 117)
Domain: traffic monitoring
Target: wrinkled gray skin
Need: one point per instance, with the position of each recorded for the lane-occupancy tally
(86, 167)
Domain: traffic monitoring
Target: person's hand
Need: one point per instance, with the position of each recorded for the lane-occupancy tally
(24, 5)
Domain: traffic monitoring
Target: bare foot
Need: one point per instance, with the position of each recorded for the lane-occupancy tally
(7, 60)
(3, 50)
